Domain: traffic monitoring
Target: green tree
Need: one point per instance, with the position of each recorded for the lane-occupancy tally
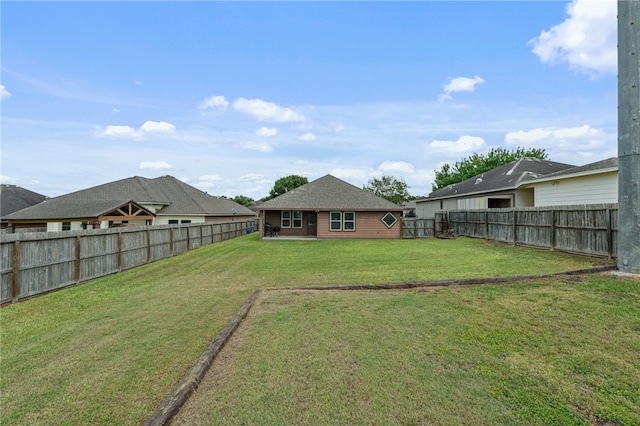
(243, 201)
(394, 190)
(285, 184)
(480, 163)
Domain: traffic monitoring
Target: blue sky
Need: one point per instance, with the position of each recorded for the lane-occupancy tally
(231, 96)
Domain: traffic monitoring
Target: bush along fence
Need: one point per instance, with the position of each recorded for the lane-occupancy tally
(35, 263)
(587, 229)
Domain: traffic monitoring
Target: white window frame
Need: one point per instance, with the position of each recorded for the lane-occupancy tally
(286, 224)
(296, 219)
(346, 221)
(332, 221)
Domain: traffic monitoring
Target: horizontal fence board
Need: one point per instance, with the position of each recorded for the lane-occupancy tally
(47, 261)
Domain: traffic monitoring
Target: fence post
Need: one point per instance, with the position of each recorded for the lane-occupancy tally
(119, 251)
(170, 241)
(609, 235)
(148, 245)
(486, 224)
(15, 269)
(554, 217)
(515, 227)
(188, 240)
(77, 265)
(466, 219)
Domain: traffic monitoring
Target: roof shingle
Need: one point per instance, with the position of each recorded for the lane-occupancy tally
(328, 193)
(176, 196)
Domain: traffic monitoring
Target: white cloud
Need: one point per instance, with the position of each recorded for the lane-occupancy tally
(158, 127)
(119, 132)
(252, 177)
(157, 165)
(586, 40)
(209, 178)
(267, 111)
(342, 173)
(257, 146)
(396, 167)
(219, 102)
(267, 131)
(308, 137)
(184, 179)
(129, 132)
(4, 93)
(8, 179)
(559, 138)
(460, 84)
(464, 144)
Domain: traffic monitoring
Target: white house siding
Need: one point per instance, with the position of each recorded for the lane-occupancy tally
(428, 209)
(469, 204)
(525, 198)
(164, 220)
(57, 226)
(593, 189)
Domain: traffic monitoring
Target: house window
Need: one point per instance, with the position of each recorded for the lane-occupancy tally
(186, 221)
(389, 219)
(297, 219)
(173, 221)
(66, 226)
(342, 221)
(285, 219)
(335, 221)
(291, 219)
(349, 221)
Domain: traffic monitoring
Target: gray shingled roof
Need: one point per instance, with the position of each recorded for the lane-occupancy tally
(178, 198)
(328, 193)
(14, 198)
(609, 163)
(506, 177)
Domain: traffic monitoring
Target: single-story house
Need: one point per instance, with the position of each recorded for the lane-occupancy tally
(14, 198)
(594, 183)
(501, 187)
(132, 201)
(330, 208)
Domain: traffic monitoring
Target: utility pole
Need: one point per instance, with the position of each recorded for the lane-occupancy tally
(628, 136)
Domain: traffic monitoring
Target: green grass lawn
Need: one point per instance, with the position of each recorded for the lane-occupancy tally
(545, 353)
(108, 351)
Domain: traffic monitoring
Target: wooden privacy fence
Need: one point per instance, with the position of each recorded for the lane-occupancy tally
(36, 263)
(423, 228)
(586, 229)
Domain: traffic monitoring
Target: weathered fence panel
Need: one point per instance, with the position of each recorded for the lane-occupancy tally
(417, 228)
(6, 270)
(134, 249)
(161, 242)
(35, 263)
(46, 265)
(586, 229)
(98, 255)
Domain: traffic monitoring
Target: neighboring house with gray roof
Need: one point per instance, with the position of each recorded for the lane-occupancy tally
(132, 201)
(331, 208)
(501, 187)
(593, 183)
(14, 198)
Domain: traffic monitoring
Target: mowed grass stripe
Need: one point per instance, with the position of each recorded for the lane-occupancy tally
(554, 352)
